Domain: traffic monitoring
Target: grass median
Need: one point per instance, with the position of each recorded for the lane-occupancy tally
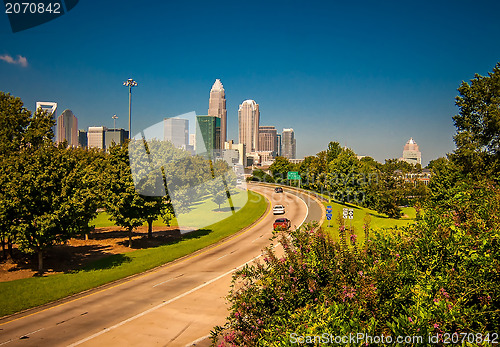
(25, 293)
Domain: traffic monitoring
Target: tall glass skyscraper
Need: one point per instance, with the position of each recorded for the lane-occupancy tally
(67, 128)
(288, 144)
(217, 108)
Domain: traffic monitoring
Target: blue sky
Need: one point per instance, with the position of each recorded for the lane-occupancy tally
(368, 74)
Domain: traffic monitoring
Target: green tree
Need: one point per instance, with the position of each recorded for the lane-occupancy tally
(280, 168)
(333, 151)
(478, 126)
(218, 192)
(124, 204)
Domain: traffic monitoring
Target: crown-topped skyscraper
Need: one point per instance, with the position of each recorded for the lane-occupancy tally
(217, 108)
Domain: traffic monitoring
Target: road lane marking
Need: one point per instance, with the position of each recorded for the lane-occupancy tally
(170, 279)
(257, 238)
(152, 271)
(160, 305)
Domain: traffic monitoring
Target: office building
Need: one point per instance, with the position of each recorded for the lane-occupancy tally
(82, 139)
(288, 144)
(96, 137)
(278, 148)
(207, 135)
(176, 130)
(268, 140)
(217, 108)
(114, 137)
(248, 121)
(67, 128)
(233, 148)
(411, 153)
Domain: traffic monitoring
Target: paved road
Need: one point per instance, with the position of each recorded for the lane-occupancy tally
(174, 305)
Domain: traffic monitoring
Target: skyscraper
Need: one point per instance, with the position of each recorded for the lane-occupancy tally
(268, 139)
(217, 108)
(96, 137)
(82, 138)
(248, 120)
(207, 135)
(176, 130)
(114, 136)
(67, 128)
(411, 153)
(288, 144)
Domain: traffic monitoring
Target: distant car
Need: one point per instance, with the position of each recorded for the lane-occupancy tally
(278, 190)
(239, 181)
(282, 224)
(279, 209)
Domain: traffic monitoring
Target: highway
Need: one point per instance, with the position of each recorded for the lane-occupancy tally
(173, 305)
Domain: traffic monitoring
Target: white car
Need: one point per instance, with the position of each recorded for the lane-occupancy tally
(279, 209)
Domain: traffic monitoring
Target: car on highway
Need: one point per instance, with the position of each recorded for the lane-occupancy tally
(278, 190)
(282, 224)
(279, 209)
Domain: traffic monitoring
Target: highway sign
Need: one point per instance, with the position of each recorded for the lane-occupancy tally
(293, 175)
(347, 213)
(328, 217)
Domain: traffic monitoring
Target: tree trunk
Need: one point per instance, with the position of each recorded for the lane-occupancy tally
(9, 246)
(40, 261)
(150, 228)
(130, 237)
(4, 250)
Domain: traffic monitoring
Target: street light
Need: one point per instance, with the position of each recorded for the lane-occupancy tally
(130, 83)
(115, 117)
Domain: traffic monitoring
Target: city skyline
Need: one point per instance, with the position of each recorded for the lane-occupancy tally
(368, 75)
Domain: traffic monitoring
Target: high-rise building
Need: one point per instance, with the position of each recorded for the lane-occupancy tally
(114, 136)
(207, 135)
(176, 130)
(96, 137)
(268, 139)
(278, 148)
(217, 108)
(82, 138)
(411, 153)
(51, 108)
(67, 128)
(248, 121)
(288, 144)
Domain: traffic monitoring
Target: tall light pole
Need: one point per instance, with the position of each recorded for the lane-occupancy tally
(115, 117)
(130, 83)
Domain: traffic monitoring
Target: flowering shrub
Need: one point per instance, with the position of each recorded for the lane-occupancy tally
(438, 276)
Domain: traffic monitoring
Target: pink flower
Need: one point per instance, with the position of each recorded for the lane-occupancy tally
(411, 320)
(436, 325)
(397, 255)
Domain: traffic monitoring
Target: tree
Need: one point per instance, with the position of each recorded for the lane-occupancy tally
(124, 204)
(478, 126)
(219, 193)
(333, 151)
(280, 168)
(342, 177)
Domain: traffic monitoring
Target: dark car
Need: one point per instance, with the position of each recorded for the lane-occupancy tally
(278, 190)
(282, 224)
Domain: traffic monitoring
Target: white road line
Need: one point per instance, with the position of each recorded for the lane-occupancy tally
(222, 256)
(170, 279)
(197, 340)
(257, 238)
(28, 334)
(158, 306)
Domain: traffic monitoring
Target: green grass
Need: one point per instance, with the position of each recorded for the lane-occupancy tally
(30, 292)
(377, 221)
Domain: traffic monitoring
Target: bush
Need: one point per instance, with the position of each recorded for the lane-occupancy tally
(438, 276)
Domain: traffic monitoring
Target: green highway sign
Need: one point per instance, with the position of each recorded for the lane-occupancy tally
(293, 175)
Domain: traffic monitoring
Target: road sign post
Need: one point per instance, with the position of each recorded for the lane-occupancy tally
(293, 175)
(328, 214)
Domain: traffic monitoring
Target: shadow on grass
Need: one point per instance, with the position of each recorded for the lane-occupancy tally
(107, 262)
(226, 209)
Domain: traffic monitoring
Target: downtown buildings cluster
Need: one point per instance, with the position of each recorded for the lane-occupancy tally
(258, 145)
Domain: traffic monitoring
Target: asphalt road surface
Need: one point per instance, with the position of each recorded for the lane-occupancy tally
(173, 305)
